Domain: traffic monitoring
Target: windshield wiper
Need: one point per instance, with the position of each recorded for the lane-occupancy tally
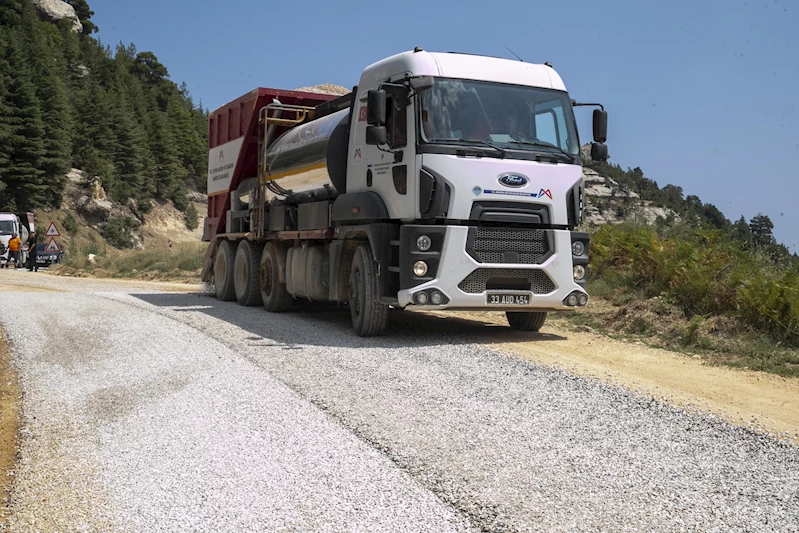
(501, 151)
(544, 145)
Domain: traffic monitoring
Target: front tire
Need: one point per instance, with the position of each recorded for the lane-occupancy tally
(273, 293)
(245, 273)
(369, 316)
(223, 272)
(526, 321)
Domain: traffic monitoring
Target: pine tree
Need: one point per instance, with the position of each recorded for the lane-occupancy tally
(741, 232)
(94, 143)
(55, 107)
(23, 174)
(84, 13)
(130, 156)
(167, 172)
(762, 230)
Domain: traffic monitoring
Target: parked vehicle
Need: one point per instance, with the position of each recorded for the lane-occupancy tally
(442, 181)
(48, 258)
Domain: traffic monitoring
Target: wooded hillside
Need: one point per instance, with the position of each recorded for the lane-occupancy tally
(67, 100)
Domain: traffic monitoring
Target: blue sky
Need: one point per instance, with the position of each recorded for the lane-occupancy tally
(701, 94)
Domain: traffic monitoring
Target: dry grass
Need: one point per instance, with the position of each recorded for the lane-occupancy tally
(720, 340)
(183, 263)
(10, 414)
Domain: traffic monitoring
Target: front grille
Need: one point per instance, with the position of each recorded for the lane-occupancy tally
(525, 279)
(509, 245)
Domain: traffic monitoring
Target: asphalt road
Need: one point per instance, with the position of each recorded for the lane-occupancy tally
(168, 411)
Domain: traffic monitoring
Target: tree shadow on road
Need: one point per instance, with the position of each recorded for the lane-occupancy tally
(328, 324)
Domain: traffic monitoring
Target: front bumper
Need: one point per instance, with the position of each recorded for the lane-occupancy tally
(465, 281)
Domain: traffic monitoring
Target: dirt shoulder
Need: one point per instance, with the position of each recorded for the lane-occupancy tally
(10, 413)
(760, 401)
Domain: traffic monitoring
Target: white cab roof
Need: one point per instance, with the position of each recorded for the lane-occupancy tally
(464, 66)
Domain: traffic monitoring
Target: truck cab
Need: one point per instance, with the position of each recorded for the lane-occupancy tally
(480, 159)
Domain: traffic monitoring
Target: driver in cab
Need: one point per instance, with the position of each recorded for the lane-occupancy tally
(509, 121)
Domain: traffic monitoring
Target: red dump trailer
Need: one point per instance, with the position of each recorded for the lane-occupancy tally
(233, 147)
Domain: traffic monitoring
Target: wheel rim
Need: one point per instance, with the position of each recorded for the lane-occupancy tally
(355, 293)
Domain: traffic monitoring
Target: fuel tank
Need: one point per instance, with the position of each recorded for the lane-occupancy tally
(310, 156)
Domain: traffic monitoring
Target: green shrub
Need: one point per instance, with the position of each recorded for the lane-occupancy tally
(191, 217)
(70, 224)
(179, 199)
(702, 272)
(118, 232)
(144, 206)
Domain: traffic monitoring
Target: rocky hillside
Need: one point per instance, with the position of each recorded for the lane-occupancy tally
(88, 209)
(607, 202)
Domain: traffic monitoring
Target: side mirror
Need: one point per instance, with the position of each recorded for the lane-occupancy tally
(375, 135)
(421, 83)
(376, 107)
(599, 152)
(600, 125)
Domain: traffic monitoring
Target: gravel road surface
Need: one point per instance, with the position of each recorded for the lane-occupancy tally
(156, 411)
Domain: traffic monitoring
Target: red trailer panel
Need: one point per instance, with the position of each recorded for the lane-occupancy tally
(234, 121)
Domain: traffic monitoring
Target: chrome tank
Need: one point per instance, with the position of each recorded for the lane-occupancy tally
(297, 160)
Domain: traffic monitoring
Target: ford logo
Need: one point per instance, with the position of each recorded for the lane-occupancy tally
(513, 180)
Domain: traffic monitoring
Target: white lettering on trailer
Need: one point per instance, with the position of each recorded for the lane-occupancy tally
(221, 164)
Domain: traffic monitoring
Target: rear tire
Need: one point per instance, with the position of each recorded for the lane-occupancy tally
(273, 293)
(246, 267)
(223, 272)
(526, 321)
(369, 316)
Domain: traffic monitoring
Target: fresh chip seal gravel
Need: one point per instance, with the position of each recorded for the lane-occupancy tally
(149, 411)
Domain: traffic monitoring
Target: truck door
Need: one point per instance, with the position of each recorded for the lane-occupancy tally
(390, 170)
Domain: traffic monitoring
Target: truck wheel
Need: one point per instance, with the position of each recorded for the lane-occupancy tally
(273, 293)
(223, 272)
(369, 316)
(245, 272)
(526, 321)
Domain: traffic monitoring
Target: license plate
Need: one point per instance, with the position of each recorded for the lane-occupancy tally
(508, 299)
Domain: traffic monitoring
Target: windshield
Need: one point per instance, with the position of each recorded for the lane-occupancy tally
(6, 227)
(513, 117)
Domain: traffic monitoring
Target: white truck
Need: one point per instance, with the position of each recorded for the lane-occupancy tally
(19, 223)
(442, 181)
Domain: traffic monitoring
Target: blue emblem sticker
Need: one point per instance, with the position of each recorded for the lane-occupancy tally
(515, 181)
(477, 190)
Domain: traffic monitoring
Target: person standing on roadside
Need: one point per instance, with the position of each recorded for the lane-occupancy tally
(14, 244)
(32, 251)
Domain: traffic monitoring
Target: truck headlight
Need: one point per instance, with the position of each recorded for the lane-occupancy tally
(419, 268)
(579, 272)
(577, 248)
(423, 243)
